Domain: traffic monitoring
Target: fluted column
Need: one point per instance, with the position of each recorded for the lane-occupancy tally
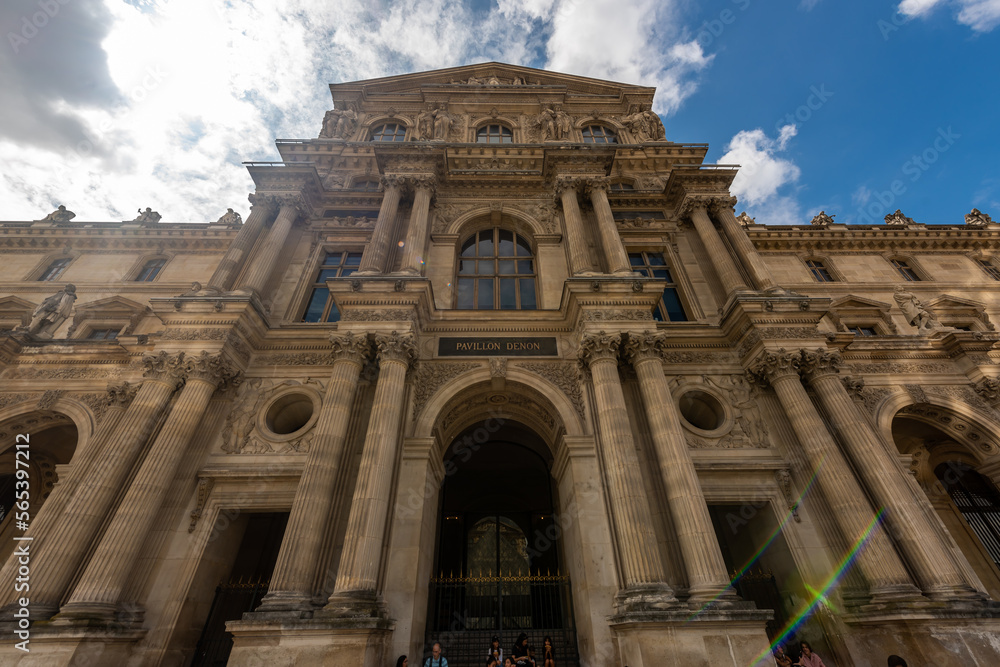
(641, 563)
(416, 233)
(703, 562)
(579, 257)
(919, 541)
(611, 241)
(262, 208)
(60, 553)
(742, 244)
(98, 592)
(879, 563)
(355, 593)
(263, 262)
(730, 276)
(291, 582)
(377, 251)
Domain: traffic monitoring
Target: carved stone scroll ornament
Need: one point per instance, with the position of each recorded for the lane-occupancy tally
(431, 376)
(121, 395)
(498, 367)
(820, 362)
(989, 389)
(396, 347)
(977, 218)
(350, 347)
(49, 399)
(771, 365)
(854, 387)
(563, 374)
(212, 368)
(645, 345)
(164, 366)
(597, 347)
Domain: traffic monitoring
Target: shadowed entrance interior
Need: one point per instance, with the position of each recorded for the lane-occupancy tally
(498, 569)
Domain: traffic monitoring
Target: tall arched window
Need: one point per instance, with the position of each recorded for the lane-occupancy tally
(496, 270)
(977, 500)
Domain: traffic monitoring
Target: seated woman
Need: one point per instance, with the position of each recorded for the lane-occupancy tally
(548, 653)
(520, 651)
(495, 652)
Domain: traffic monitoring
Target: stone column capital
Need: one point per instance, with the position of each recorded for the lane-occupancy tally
(566, 184)
(121, 395)
(393, 181)
(396, 347)
(721, 204)
(773, 365)
(692, 204)
(212, 369)
(165, 367)
(597, 184)
(819, 362)
(294, 201)
(599, 347)
(350, 347)
(269, 203)
(420, 181)
(644, 346)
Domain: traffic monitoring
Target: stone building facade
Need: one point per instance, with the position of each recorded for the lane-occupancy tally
(492, 352)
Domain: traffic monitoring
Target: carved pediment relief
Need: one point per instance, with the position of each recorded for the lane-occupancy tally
(115, 311)
(956, 311)
(15, 311)
(858, 311)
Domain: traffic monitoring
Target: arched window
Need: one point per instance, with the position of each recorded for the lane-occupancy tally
(389, 132)
(598, 134)
(496, 269)
(977, 500)
(494, 134)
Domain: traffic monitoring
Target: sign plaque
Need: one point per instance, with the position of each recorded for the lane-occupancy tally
(497, 346)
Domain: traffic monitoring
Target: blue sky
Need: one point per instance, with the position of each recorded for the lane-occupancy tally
(856, 108)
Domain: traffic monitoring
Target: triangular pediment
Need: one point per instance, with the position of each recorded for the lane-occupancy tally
(15, 304)
(853, 302)
(486, 76)
(113, 304)
(949, 302)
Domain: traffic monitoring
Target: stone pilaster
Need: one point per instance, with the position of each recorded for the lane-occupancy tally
(930, 560)
(416, 233)
(703, 562)
(262, 209)
(579, 258)
(61, 552)
(99, 589)
(726, 269)
(355, 593)
(377, 251)
(641, 563)
(611, 241)
(886, 576)
(742, 244)
(263, 262)
(294, 572)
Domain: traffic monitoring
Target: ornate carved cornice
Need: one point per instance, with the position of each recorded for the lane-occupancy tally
(165, 367)
(599, 347)
(643, 346)
(350, 347)
(396, 347)
(819, 362)
(121, 395)
(772, 365)
(213, 369)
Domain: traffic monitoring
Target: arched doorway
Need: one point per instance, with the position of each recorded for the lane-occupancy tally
(499, 550)
(945, 449)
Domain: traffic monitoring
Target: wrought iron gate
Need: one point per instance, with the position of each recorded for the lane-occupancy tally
(231, 601)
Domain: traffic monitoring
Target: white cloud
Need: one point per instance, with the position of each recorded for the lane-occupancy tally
(762, 171)
(180, 92)
(980, 15)
(861, 196)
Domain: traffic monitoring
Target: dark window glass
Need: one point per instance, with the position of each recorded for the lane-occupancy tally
(55, 269)
(150, 270)
(654, 265)
(905, 270)
(389, 132)
(622, 187)
(598, 134)
(496, 270)
(320, 307)
(863, 331)
(991, 270)
(819, 271)
(494, 134)
(102, 334)
(367, 185)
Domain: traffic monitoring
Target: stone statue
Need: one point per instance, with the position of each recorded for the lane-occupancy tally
(975, 218)
(231, 218)
(898, 218)
(638, 123)
(493, 81)
(823, 219)
(147, 217)
(51, 313)
(442, 123)
(745, 219)
(333, 180)
(547, 122)
(563, 124)
(518, 81)
(63, 215)
(914, 311)
(655, 126)
(473, 81)
(339, 123)
(425, 124)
